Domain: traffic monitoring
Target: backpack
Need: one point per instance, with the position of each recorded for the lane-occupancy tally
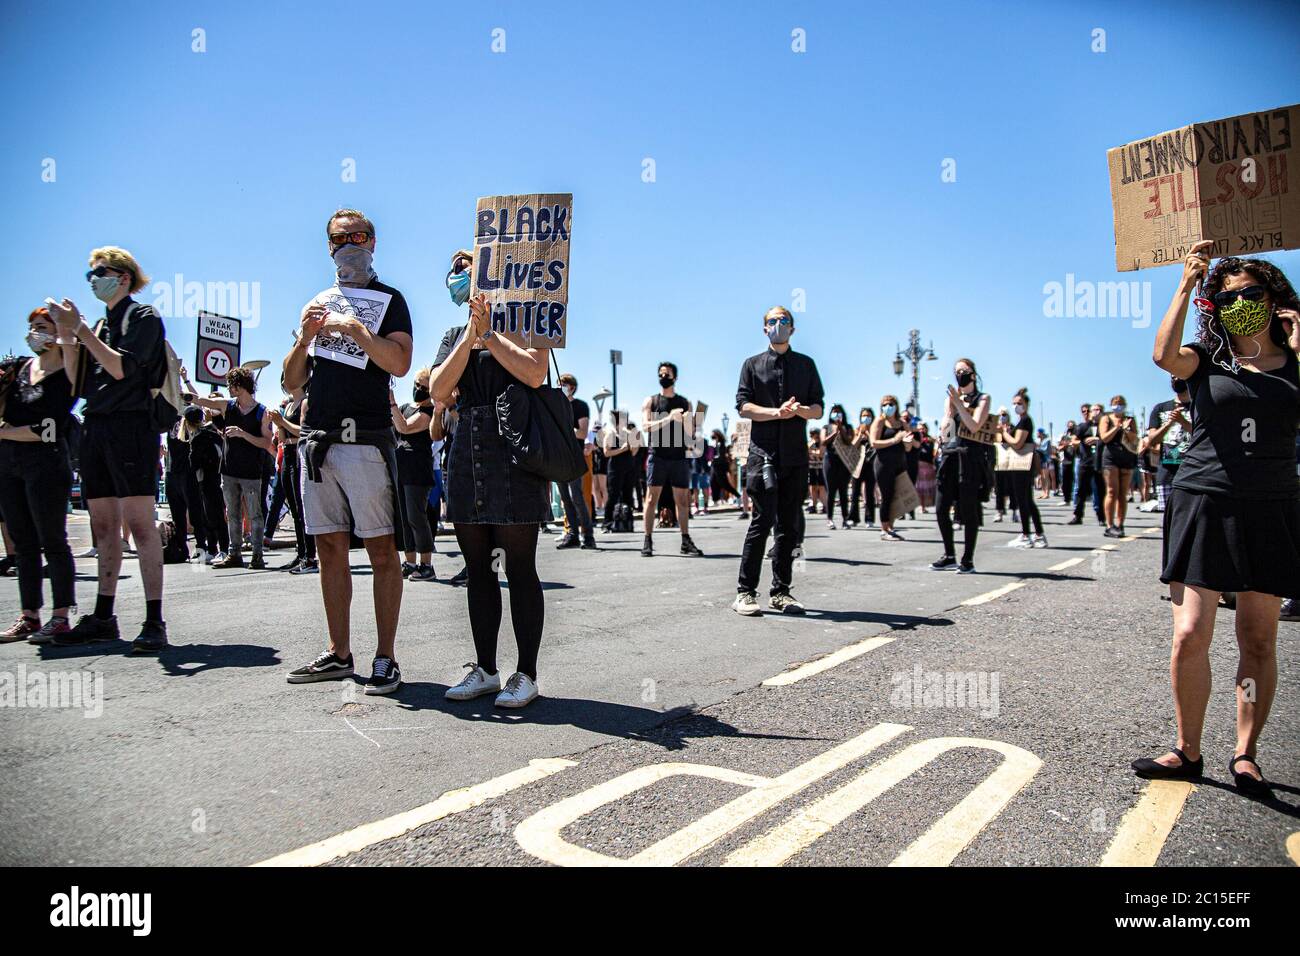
(175, 550)
(165, 388)
(205, 452)
(622, 517)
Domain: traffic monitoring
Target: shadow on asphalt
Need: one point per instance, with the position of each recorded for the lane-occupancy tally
(848, 561)
(1273, 803)
(177, 660)
(670, 729)
(896, 622)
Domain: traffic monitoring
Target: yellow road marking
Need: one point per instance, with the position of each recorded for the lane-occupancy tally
(451, 802)
(1066, 564)
(993, 595)
(827, 662)
(1156, 530)
(939, 845)
(1143, 831)
(1293, 847)
(540, 833)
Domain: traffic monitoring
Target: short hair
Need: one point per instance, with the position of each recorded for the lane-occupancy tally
(1118, 400)
(1177, 384)
(668, 365)
(241, 377)
(778, 310)
(350, 214)
(568, 379)
(118, 258)
(41, 313)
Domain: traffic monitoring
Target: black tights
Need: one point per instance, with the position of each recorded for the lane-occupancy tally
(486, 548)
(1022, 493)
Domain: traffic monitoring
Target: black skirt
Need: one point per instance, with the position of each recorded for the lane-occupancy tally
(1118, 457)
(483, 485)
(1227, 544)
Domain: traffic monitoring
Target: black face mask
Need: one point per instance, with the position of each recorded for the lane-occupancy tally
(964, 378)
(666, 381)
(419, 394)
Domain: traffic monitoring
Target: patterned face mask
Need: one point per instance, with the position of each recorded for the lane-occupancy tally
(1244, 317)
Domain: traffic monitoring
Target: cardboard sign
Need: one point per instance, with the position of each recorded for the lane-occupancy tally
(1226, 180)
(905, 499)
(740, 444)
(987, 435)
(217, 351)
(521, 262)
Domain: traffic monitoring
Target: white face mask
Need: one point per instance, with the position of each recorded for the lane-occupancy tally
(1018, 409)
(39, 341)
(104, 287)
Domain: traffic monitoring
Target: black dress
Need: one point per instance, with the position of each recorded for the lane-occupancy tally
(483, 485)
(1115, 455)
(1232, 520)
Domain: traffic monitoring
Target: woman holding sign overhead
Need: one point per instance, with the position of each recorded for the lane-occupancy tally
(1232, 519)
(496, 506)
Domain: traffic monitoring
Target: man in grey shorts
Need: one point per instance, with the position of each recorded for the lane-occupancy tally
(347, 449)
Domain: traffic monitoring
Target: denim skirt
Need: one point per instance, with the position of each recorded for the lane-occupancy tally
(483, 485)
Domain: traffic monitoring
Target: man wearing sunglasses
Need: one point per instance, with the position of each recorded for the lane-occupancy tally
(119, 443)
(348, 454)
(780, 390)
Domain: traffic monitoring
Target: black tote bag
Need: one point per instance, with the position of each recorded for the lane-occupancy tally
(537, 424)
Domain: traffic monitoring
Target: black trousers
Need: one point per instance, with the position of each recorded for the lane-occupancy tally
(837, 483)
(620, 485)
(35, 481)
(777, 508)
(863, 488)
(1067, 481)
(214, 512)
(1022, 493)
(179, 502)
(306, 543)
(952, 492)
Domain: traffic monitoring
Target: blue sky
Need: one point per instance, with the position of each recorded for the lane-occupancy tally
(774, 170)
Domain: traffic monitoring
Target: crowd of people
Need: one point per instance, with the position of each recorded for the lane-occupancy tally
(353, 467)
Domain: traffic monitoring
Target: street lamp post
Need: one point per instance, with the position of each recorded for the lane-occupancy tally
(615, 360)
(916, 354)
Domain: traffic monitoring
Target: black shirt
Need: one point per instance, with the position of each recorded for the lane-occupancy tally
(243, 458)
(178, 455)
(135, 330)
(1090, 456)
(484, 377)
(337, 391)
(1026, 425)
(581, 410)
(1243, 431)
(768, 379)
(415, 451)
(45, 405)
(668, 443)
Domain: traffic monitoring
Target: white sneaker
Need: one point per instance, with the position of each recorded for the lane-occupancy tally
(998, 519)
(476, 683)
(89, 553)
(520, 691)
(1021, 542)
(1039, 541)
(746, 604)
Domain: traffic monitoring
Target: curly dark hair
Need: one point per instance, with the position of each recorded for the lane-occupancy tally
(241, 377)
(1210, 332)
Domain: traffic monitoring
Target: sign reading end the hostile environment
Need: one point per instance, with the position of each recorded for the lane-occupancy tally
(1226, 180)
(218, 348)
(521, 262)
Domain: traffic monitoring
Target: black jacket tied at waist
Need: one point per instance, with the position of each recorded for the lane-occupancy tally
(315, 445)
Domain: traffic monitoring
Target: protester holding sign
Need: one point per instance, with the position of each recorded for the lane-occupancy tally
(962, 478)
(119, 441)
(347, 447)
(1232, 521)
(779, 392)
(1017, 438)
(496, 506)
(891, 438)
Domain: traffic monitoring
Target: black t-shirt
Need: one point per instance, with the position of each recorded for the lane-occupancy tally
(1175, 441)
(668, 443)
(45, 405)
(415, 451)
(1090, 456)
(243, 458)
(178, 455)
(767, 380)
(580, 411)
(484, 377)
(135, 330)
(1243, 431)
(337, 391)
(1025, 424)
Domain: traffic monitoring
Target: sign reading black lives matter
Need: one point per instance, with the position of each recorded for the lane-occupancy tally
(218, 348)
(521, 263)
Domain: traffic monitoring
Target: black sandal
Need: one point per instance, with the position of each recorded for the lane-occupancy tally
(1151, 769)
(1245, 782)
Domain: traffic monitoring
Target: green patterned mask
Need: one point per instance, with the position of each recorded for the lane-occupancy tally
(1244, 317)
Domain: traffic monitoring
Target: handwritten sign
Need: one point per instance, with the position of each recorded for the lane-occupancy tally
(740, 444)
(1226, 180)
(988, 433)
(521, 263)
(367, 306)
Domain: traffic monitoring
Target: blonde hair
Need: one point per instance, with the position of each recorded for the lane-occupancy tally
(350, 214)
(886, 399)
(118, 258)
(778, 310)
(461, 254)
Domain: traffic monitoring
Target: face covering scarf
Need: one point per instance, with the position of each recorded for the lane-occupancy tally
(352, 265)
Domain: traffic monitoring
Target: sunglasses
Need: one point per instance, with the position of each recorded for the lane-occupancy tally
(341, 238)
(100, 271)
(781, 321)
(1252, 293)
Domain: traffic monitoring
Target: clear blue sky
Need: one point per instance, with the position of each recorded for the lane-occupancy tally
(775, 170)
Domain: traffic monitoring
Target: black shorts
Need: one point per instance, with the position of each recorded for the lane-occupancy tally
(674, 472)
(119, 456)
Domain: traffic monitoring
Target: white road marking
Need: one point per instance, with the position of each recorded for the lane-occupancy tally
(994, 594)
(451, 802)
(827, 662)
(359, 733)
(1146, 826)
(1066, 564)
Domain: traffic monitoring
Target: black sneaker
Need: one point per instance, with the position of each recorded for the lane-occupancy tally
(258, 563)
(1075, 520)
(88, 630)
(385, 676)
(1110, 533)
(325, 667)
(292, 566)
(424, 572)
(307, 567)
(151, 639)
(569, 540)
(966, 567)
(407, 569)
(589, 543)
(946, 563)
(229, 561)
(689, 548)
(460, 578)
(648, 547)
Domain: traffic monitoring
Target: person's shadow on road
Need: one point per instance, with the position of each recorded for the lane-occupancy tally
(176, 660)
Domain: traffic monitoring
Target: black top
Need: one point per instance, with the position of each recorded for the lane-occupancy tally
(207, 448)
(1090, 456)
(892, 456)
(292, 413)
(1244, 428)
(338, 391)
(135, 330)
(45, 405)
(768, 379)
(243, 458)
(415, 451)
(484, 377)
(668, 443)
(1116, 443)
(178, 455)
(1174, 445)
(581, 410)
(950, 431)
(1026, 424)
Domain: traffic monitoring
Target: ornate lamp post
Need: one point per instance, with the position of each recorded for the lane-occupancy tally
(916, 354)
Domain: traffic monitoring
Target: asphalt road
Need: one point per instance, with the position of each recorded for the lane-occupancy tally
(207, 756)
